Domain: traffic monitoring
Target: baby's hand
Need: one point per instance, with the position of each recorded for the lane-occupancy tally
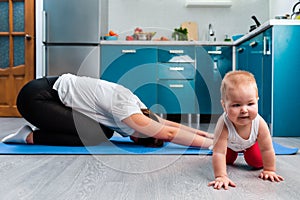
(270, 175)
(222, 181)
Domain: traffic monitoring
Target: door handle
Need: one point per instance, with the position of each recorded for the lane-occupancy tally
(253, 44)
(44, 61)
(267, 48)
(28, 37)
(240, 50)
(44, 29)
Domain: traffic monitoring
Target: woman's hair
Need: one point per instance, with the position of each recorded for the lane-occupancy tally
(145, 140)
(237, 78)
(149, 114)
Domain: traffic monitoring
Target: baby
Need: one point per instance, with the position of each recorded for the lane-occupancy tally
(241, 129)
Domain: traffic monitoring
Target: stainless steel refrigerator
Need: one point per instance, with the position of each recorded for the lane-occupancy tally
(71, 36)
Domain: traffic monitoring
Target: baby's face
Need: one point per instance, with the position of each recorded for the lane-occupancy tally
(240, 104)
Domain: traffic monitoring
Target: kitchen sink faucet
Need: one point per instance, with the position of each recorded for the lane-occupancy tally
(211, 33)
(210, 30)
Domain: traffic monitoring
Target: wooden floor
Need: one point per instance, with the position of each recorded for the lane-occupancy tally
(56, 177)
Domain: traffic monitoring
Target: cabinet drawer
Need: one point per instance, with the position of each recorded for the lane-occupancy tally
(133, 67)
(213, 62)
(176, 96)
(127, 55)
(176, 54)
(176, 71)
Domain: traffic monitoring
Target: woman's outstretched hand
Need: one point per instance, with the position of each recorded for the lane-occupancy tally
(210, 135)
(205, 134)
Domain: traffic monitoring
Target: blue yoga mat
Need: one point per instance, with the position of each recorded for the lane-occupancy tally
(118, 146)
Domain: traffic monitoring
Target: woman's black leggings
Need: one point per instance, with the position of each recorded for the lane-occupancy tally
(57, 124)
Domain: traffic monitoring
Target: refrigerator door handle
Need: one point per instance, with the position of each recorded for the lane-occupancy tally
(44, 61)
(44, 31)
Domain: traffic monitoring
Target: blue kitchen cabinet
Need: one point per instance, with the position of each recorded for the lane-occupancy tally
(213, 62)
(176, 96)
(286, 84)
(266, 78)
(176, 79)
(259, 64)
(242, 55)
(255, 58)
(274, 61)
(133, 67)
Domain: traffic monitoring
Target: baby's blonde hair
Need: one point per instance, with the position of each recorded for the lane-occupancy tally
(235, 79)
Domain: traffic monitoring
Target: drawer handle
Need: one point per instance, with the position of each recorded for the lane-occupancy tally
(128, 51)
(176, 86)
(176, 51)
(176, 68)
(240, 50)
(215, 52)
(253, 44)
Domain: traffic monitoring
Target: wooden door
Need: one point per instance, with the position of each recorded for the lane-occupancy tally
(17, 41)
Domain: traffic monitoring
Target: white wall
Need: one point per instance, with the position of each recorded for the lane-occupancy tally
(281, 7)
(165, 15)
(125, 15)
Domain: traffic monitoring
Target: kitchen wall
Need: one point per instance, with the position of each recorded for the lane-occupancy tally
(165, 15)
(281, 7)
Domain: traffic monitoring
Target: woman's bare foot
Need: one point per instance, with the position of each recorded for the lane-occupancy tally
(29, 139)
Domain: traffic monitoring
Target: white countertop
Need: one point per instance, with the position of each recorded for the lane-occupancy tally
(261, 28)
(170, 42)
(266, 25)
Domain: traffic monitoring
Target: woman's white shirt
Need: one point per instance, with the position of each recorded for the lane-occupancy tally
(106, 102)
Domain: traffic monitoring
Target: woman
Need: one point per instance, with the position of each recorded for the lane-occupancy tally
(74, 111)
